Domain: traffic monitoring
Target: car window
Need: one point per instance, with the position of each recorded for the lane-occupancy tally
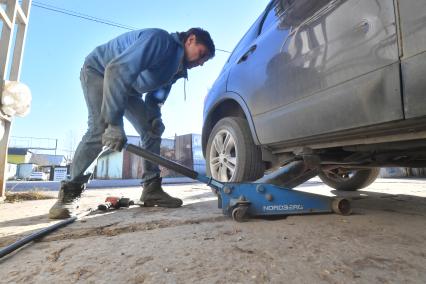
(274, 13)
(247, 39)
(301, 10)
(270, 19)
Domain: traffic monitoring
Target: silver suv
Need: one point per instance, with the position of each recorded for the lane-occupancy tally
(337, 84)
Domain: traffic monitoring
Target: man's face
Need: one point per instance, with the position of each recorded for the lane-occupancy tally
(196, 54)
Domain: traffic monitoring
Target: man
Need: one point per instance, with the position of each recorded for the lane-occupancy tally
(114, 77)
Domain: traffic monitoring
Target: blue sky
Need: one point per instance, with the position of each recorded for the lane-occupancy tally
(57, 44)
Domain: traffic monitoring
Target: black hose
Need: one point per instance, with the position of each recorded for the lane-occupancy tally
(19, 243)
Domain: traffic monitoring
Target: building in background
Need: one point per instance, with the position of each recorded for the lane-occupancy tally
(124, 165)
(54, 166)
(115, 165)
(399, 172)
(11, 171)
(18, 155)
(18, 163)
(47, 160)
(184, 149)
(22, 162)
(189, 153)
(24, 171)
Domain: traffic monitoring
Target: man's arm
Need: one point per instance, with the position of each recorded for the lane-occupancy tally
(121, 72)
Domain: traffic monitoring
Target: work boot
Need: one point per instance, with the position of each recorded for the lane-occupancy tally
(154, 195)
(66, 205)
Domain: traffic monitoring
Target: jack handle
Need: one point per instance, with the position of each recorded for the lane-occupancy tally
(172, 166)
(157, 159)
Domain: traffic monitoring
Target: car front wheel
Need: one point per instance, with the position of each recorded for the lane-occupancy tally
(231, 153)
(349, 179)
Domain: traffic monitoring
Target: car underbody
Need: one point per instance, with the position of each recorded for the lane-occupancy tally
(393, 145)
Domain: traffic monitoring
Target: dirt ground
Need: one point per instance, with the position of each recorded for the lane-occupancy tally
(383, 241)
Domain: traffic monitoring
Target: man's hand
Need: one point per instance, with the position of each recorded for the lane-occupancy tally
(114, 137)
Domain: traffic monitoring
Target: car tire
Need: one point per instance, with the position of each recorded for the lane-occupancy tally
(349, 179)
(231, 155)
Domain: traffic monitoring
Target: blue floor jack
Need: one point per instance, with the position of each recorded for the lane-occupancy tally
(259, 198)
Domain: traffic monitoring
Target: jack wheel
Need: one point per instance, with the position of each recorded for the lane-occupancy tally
(239, 213)
(341, 206)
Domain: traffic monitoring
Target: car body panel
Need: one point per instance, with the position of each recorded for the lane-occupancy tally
(213, 102)
(308, 66)
(413, 32)
(355, 105)
(413, 73)
(413, 26)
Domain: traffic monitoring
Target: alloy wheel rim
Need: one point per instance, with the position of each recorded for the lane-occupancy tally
(223, 156)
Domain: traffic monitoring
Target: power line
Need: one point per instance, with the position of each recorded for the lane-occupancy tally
(218, 49)
(81, 15)
(89, 18)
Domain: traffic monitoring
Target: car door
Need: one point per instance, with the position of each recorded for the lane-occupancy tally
(321, 67)
(412, 15)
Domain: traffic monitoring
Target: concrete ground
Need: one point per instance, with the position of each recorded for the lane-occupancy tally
(383, 241)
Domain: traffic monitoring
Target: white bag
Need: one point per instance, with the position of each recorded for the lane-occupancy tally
(16, 99)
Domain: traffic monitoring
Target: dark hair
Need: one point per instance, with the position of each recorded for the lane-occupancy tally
(202, 36)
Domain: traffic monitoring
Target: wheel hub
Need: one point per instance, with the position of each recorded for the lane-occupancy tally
(223, 156)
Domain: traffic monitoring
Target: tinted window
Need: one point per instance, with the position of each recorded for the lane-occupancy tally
(270, 19)
(277, 12)
(301, 10)
(248, 38)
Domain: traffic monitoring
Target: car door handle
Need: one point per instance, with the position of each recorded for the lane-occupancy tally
(247, 54)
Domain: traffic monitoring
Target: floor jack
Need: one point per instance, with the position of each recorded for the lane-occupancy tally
(259, 198)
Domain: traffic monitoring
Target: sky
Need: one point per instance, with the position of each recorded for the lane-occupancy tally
(57, 44)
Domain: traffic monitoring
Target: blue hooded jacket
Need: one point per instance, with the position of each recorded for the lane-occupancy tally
(134, 63)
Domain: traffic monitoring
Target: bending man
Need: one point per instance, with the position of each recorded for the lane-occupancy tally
(114, 77)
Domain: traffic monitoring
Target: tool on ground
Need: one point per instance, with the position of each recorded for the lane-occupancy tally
(260, 198)
(43, 232)
(113, 202)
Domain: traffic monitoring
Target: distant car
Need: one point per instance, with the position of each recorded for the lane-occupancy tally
(38, 176)
(340, 83)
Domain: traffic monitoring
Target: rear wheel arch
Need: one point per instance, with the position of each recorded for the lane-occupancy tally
(231, 106)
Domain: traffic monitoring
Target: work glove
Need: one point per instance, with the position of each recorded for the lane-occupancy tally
(114, 137)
